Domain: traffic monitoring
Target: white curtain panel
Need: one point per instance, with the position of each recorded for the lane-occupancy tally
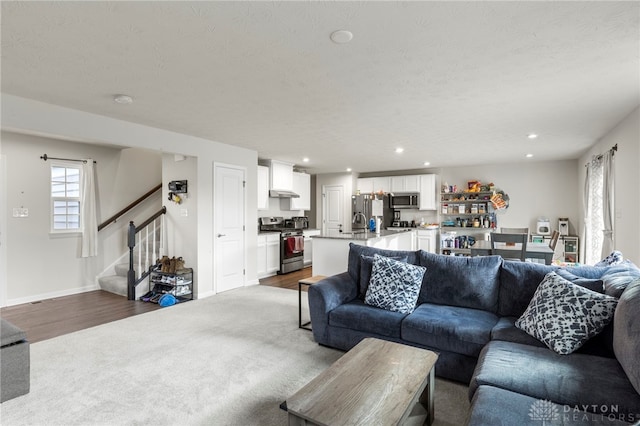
(88, 213)
(594, 222)
(607, 203)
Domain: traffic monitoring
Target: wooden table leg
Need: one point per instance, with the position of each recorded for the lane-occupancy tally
(428, 396)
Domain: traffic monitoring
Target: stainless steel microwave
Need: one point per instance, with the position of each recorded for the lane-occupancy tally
(407, 200)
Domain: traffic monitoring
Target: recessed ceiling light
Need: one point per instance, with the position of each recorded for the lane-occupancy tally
(399, 150)
(532, 136)
(426, 163)
(305, 159)
(529, 155)
(341, 36)
(123, 99)
(348, 169)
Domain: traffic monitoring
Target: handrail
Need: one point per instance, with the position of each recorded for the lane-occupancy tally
(116, 216)
(132, 281)
(156, 215)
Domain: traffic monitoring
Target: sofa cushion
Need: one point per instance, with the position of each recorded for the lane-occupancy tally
(518, 282)
(470, 282)
(626, 333)
(506, 330)
(449, 328)
(355, 258)
(616, 278)
(394, 285)
(594, 284)
(356, 315)
(576, 379)
(366, 267)
(492, 406)
(564, 315)
(600, 345)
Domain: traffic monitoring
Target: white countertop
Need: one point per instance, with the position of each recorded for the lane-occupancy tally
(359, 235)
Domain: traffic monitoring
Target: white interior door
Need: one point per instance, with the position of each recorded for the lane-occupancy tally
(332, 208)
(229, 250)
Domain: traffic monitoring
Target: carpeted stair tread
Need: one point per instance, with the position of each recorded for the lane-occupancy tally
(118, 285)
(122, 269)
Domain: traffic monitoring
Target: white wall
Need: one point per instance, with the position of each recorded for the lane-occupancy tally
(280, 207)
(627, 183)
(535, 189)
(27, 116)
(182, 219)
(41, 265)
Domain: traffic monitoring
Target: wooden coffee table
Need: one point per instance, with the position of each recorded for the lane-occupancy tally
(376, 382)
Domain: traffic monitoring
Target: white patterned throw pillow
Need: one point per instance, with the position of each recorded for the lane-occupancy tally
(394, 285)
(564, 315)
(615, 258)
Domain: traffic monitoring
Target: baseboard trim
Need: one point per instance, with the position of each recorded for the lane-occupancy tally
(54, 294)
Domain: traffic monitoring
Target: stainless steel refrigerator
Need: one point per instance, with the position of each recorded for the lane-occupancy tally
(363, 208)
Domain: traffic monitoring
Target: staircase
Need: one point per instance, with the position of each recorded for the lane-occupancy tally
(145, 243)
(118, 283)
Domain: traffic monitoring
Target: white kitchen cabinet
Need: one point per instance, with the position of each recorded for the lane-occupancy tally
(364, 185)
(428, 192)
(273, 253)
(262, 256)
(263, 188)
(268, 254)
(302, 187)
(410, 183)
(374, 184)
(382, 183)
(308, 245)
(281, 175)
(427, 241)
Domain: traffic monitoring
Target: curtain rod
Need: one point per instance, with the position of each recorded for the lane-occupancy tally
(45, 157)
(612, 151)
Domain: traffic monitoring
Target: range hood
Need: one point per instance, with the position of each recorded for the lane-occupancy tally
(282, 193)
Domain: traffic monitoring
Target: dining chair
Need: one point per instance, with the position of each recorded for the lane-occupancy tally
(554, 240)
(499, 242)
(514, 230)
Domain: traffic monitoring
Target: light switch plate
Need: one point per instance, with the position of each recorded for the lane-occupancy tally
(20, 212)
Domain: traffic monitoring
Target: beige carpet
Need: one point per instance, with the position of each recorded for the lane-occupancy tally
(230, 359)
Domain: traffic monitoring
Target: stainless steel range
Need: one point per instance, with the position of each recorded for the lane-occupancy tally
(291, 241)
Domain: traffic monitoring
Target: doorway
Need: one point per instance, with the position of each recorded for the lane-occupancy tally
(229, 227)
(332, 208)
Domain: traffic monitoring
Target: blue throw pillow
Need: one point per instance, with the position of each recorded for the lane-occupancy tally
(563, 315)
(394, 285)
(590, 283)
(366, 266)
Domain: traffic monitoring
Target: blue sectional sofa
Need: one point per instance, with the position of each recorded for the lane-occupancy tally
(466, 312)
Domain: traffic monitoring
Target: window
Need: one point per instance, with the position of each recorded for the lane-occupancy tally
(65, 198)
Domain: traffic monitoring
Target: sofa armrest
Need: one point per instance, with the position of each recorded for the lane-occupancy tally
(325, 296)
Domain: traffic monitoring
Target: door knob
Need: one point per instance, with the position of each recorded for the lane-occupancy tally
(222, 235)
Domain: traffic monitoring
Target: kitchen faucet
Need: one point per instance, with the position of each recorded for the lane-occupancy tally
(355, 216)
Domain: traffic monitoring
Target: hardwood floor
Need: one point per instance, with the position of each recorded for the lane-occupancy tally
(61, 315)
(289, 280)
(54, 317)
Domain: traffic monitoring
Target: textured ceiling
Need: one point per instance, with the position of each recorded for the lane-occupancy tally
(453, 83)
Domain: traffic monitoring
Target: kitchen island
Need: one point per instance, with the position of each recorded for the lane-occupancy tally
(331, 250)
